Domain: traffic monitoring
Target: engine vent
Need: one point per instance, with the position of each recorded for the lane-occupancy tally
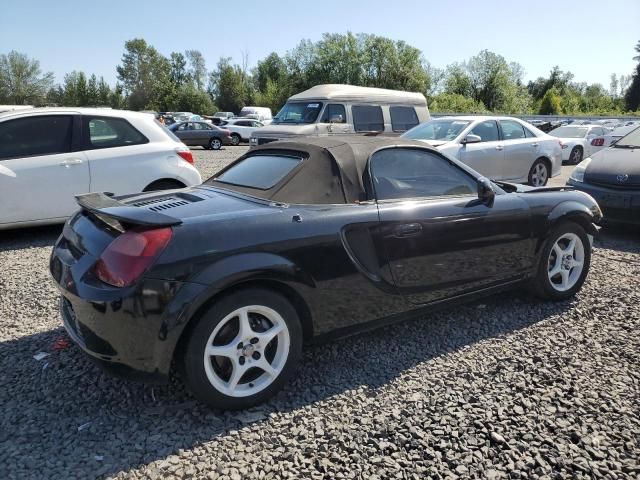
(161, 203)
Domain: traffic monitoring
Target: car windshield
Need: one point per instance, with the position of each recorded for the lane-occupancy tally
(298, 112)
(439, 129)
(569, 132)
(258, 171)
(631, 140)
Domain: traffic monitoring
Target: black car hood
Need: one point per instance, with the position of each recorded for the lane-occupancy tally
(615, 166)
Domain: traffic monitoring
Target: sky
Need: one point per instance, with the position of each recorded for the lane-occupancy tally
(591, 38)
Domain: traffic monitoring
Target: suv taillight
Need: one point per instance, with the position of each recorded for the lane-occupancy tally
(130, 255)
(186, 155)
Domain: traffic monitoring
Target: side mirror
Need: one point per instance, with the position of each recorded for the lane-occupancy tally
(471, 138)
(485, 191)
(337, 118)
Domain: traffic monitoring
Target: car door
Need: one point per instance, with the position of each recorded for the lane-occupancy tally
(39, 170)
(487, 155)
(519, 151)
(184, 133)
(243, 128)
(439, 239)
(202, 133)
(333, 120)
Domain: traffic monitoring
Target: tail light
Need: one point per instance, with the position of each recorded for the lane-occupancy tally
(130, 255)
(563, 145)
(597, 142)
(226, 132)
(185, 154)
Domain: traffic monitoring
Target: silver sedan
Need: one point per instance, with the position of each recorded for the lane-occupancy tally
(501, 148)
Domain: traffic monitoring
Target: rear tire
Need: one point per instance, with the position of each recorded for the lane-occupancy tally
(243, 349)
(163, 185)
(235, 139)
(564, 263)
(575, 156)
(539, 173)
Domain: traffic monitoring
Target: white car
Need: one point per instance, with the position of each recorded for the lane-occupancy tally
(579, 141)
(611, 137)
(241, 129)
(49, 155)
(501, 148)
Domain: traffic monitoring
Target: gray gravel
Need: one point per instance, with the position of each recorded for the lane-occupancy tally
(507, 387)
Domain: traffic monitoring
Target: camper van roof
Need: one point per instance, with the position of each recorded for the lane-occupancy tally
(351, 93)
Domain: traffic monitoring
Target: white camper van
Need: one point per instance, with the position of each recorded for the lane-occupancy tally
(345, 109)
(262, 114)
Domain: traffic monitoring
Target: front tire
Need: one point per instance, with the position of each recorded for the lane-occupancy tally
(243, 349)
(564, 263)
(215, 144)
(539, 173)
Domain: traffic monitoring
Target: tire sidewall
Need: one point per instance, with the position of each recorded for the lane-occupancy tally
(539, 161)
(193, 361)
(213, 146)
(571, 155)
(235, 140)
(543, 285)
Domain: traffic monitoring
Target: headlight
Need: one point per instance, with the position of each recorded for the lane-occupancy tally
(578, 172)
(253, 141)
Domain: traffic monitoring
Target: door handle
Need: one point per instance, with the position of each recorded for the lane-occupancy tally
(407, 230)
(534, 145)
(70, 162)
(499, 147)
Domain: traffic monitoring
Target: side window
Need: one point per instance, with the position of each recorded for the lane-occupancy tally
(403, 118)
(487, 131)
(256, 124)
(182, 127)
(33, 136)
(367, 118)
(109, 132)
(511, 130)
(412, 173)
(528, 133)
(334, 110)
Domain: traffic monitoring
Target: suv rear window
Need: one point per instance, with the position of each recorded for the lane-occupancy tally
(35, 135)
(259, 171)
(403, 118)
(367, 118)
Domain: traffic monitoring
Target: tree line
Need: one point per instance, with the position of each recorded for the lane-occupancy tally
(148, 80)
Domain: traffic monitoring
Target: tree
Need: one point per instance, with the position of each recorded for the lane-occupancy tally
(104, 93)
(492, 80)
(455, 103)
(178, 73)
(145, 76)
(21, 80)
(197, 68)
(227, 84)
(92, 91)
(632, 95)
(550, 103)
(457, 80)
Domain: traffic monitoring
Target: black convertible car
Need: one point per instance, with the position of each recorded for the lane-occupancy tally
(296, 241)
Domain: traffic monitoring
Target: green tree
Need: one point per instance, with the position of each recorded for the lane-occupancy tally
(92, 91)
(145, 76)
(551, 103)
(632, 95)
(21, 80)
(455, 103)
(178, 73)
(197, 68)
(228, 86)
(457, 80)
(104, 93)
(493, 80)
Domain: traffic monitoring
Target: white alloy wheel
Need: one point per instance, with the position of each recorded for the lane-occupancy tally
(566, 261)
(216, 144)
(539, 174)
(247, 351)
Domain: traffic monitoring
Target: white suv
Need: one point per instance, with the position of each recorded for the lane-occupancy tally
(49, 155)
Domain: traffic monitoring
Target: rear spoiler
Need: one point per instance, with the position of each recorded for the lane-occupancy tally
(116, 213)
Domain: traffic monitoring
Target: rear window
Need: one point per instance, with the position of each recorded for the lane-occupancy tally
(259, 171)
(367, 118)
(403, 118)
(110, 132)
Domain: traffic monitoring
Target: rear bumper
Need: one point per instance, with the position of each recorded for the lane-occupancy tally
(131, 331)
(618, 206)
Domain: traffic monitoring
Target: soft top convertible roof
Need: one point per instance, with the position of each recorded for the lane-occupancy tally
(331, 171)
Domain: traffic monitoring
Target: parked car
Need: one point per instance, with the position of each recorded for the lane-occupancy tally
(224, 115)
(344, 109)
(49, 155)
(579, 140)
(612, 177)
(241, 129)
(271, 252)
(612, 137)
(262, 114)
(501, 148)
(201, 134)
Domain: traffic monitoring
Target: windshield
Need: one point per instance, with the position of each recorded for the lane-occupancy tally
(631, 140)
(569, 132)
(439, 129)
(298, 112)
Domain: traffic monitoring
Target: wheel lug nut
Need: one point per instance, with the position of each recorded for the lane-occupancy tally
(241, 360)
(256, 355)
(254, 340)
(240, 346)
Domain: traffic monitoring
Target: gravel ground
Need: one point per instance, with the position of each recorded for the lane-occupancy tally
(506, 388)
